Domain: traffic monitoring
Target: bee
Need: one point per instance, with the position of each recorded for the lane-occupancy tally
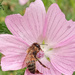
(31, 58)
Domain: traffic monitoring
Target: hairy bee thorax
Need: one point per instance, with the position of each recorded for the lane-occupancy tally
(34, 49)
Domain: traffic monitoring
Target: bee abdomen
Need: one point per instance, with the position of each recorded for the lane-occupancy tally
(31, 67)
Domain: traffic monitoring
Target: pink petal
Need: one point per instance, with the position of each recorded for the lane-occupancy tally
(63, 56)
(69, 74)
(43, 70)
(11, 45)
(57, 28)
(22, 2)
(30, 26)
(12, 62)
(66, 42)
(53, 70)
(14, 50)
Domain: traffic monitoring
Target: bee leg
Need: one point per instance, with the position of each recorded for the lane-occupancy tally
(42, 63)
(37, 72)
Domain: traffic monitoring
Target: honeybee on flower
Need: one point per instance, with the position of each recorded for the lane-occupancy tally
(37, 26)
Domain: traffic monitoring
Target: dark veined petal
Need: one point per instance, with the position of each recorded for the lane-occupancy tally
(63, 56)
(14, 51)
(30, 26)
(57, 28)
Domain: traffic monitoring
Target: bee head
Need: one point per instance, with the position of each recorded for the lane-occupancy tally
(37, 46)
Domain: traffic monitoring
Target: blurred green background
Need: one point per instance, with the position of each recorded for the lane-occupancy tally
(13, 7)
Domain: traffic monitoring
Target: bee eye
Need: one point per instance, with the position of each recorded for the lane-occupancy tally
(37, 46)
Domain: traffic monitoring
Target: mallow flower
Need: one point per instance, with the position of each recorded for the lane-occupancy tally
(22, 2)
(36, 26)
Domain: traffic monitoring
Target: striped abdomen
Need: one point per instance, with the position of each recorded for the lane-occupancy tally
(31, 66)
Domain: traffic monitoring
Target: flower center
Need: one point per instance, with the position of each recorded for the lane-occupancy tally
(46, 50)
